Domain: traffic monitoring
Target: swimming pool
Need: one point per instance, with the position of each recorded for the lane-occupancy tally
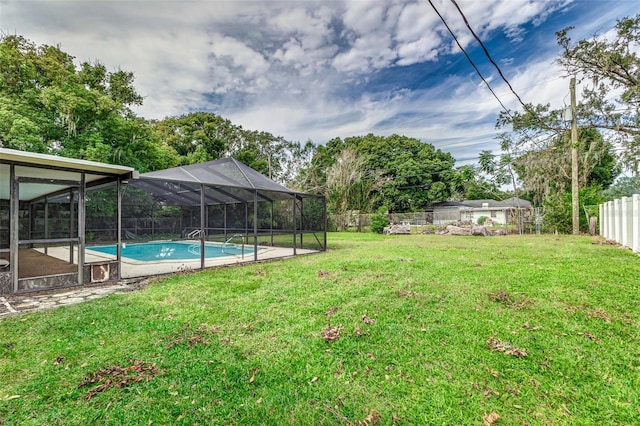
(171, 250)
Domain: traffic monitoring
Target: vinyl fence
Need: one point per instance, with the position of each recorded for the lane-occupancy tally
(620, 221)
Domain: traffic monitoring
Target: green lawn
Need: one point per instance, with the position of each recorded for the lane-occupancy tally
(419, 330)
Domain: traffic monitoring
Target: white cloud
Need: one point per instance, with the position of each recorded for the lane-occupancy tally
(304, 69)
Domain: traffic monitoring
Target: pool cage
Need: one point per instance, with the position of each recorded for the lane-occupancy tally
(66, 222)
(223, 204)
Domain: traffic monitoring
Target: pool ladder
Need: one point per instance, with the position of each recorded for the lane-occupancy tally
(226, 243)
(196, 233)
(195, 248)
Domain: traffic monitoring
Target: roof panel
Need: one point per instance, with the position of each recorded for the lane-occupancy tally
(52, 167)
(226, 172)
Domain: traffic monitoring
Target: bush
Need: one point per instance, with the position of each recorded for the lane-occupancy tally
(557, 209)
(482, 220)
(379, 221)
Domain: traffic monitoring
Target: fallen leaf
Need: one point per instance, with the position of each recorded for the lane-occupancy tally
(332, 310)
(368, 320)
(498, 345)
(490, 419)
(315, 379)
(373, 418)
(331, 334)
(591, 336)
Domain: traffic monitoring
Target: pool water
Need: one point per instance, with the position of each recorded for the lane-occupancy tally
(170, 250)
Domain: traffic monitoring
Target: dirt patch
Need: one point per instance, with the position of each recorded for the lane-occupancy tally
(119, 377)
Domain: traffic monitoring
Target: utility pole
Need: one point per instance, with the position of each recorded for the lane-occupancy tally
(575, 207)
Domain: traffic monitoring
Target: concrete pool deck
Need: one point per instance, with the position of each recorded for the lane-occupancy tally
(135, 269)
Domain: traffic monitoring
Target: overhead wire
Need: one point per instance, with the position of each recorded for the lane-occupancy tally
(461, 108)
(469, 58)
(486, 52)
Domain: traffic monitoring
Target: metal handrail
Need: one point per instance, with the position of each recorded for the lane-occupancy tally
(226, 243)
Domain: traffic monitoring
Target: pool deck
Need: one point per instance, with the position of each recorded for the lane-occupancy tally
(133, 268)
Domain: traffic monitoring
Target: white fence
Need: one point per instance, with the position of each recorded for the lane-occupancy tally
(620, 221)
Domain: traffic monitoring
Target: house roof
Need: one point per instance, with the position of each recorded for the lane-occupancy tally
(512, 202)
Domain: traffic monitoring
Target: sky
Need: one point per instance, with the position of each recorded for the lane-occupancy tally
(316, 70)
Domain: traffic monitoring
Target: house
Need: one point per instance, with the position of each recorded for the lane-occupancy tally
(497, 212)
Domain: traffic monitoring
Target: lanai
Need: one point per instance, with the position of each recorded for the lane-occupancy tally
(42, 206)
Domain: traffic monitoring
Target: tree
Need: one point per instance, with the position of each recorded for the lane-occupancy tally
(350, 184)
(203, 136)
(49, 105)
(416, 174)
(605, 66)
(197, 137)
(610, 65)
(470, 183)
(623, 187)
(547, 171)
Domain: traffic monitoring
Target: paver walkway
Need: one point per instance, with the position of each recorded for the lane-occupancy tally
(17, 304)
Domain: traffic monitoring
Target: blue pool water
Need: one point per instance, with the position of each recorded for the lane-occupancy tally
(170, 250)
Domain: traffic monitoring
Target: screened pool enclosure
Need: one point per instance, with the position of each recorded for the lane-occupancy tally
(67, 222)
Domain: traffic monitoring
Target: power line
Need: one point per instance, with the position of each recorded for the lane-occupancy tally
(469, 58)
(461, 108)
(486, 52)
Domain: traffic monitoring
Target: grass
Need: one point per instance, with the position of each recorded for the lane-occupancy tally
(419, 330)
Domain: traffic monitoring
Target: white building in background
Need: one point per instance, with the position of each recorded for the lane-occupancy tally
(497, 212)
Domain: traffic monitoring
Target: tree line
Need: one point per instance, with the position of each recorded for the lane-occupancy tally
(48, 104)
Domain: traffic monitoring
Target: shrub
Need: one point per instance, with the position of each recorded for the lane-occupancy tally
(379, 220)
(482, 220)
